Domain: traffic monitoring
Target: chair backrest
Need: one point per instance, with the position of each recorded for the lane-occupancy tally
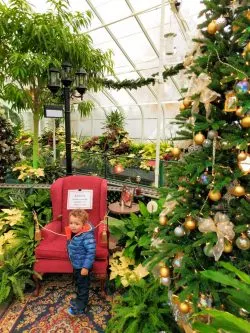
(59, 196)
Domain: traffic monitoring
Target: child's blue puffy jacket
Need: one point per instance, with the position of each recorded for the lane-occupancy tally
(82, 247)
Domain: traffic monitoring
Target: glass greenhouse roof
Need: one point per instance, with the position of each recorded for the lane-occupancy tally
(131, 29)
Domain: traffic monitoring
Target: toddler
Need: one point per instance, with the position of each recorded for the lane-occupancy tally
(81, 248)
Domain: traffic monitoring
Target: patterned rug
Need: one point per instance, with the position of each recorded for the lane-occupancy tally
(47, 313)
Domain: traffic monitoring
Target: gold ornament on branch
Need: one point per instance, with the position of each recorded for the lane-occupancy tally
(228, 247)
(223, 228)
(182, 107)
(164, 272)
(199, 138)
(176, 152)
(199, 87)
(190, 223)
(238, 191)
(245, 122)
(242, 156)
(214, 195)
(238, 112)
(184, 307)
(212, 27)
(187, 102)
(163, 220)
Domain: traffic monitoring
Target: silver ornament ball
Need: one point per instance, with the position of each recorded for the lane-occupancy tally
(207, 143)
(243, 243)
(165, 281)
(179, 231)
(221, 22)
(208, 251)
(212, 134)
(177, 263)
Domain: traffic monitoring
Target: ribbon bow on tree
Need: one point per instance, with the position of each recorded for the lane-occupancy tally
(200, 93)
(222, 226)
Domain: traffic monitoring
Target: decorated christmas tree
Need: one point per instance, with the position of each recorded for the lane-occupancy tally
(8, 153)
(206, 216)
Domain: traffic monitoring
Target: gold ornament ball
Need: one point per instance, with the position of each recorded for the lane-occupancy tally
(187, 102)
(212, 27)
(182, 107)
(245, 122)
(190, 224)
(163, 220)
(228, 247)
(247, 14)
(242, 156)
(184, 308)
(214, 195)
(176, 152)
(164, 272)
(238, 112)
(199, 138)
(238, 191)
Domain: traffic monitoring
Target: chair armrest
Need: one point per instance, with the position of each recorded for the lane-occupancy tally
(103, 235)
(54, 226)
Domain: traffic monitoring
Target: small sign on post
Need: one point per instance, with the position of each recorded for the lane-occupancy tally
(53, 111)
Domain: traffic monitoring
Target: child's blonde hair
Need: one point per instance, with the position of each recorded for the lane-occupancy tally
(81, 214)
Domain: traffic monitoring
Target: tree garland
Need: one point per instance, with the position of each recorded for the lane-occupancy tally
(134, 84)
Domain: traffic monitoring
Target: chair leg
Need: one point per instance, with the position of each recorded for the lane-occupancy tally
(37, 284)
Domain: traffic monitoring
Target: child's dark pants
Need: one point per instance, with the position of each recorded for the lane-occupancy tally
(82, 283)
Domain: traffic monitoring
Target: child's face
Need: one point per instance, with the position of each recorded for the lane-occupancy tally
(75, 224)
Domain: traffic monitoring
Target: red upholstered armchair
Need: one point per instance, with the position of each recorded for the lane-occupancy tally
(51, 254)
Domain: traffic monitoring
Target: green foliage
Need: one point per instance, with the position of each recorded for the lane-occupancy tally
(16, 253)
(135, 84)
(135, 233)
(238, 293)
(219, 57)
(143, 308)
(223, 320)
(115, 120)
(8, 151)
(31, 42)
(85, 108)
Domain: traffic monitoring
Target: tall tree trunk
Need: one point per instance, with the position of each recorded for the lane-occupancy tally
(35, 138)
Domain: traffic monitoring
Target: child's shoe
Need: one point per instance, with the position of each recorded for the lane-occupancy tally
(75, 312)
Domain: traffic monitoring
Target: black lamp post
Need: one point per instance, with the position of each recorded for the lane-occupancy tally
(66, 78)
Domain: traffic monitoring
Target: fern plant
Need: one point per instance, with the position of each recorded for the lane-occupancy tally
(143, 308)
(236, 285)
